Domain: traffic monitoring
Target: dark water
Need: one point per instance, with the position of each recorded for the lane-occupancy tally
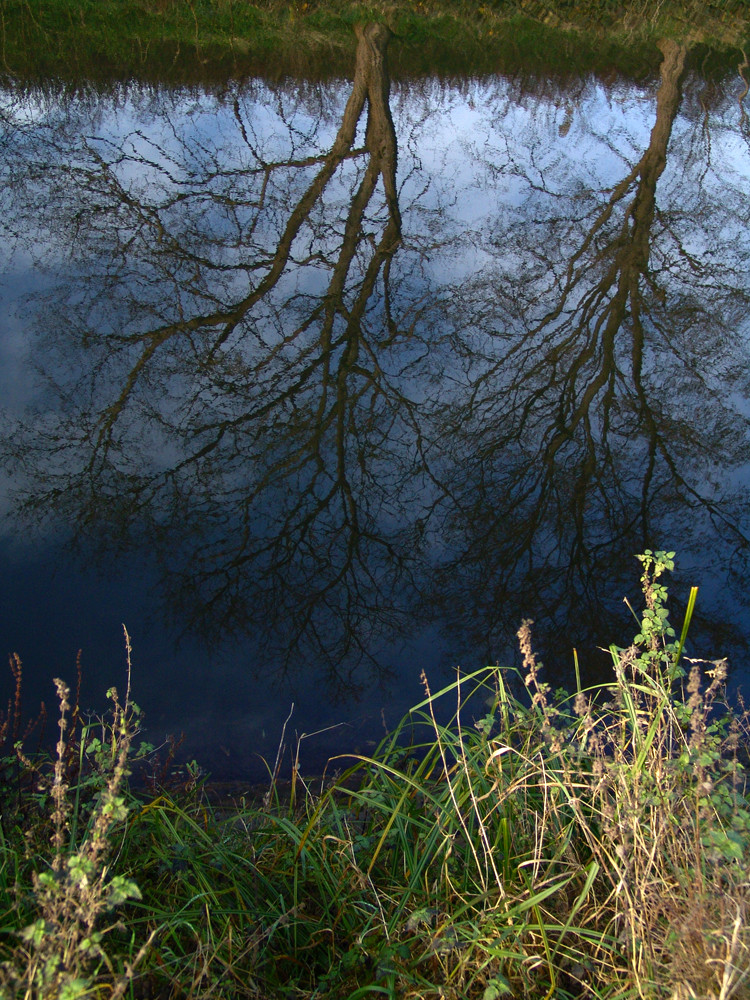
(317, 386)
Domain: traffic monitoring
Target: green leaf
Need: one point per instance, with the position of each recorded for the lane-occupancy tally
(498, 986)
(420, 918)
(73, 989)
(34, 933)
(121, 889)
(729, 845)
(81, 869)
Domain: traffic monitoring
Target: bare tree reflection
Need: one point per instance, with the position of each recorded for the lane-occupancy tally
(270, 381)
(596, 426)
(260, 443)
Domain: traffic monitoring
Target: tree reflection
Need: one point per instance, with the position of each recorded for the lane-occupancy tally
(271, 381)
(243, 411)
(598, 419)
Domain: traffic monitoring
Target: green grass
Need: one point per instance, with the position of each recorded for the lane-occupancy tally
(204, 40)
(533, 844)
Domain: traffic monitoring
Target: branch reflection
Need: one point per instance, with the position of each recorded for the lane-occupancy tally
(601, 413)
(335, 414)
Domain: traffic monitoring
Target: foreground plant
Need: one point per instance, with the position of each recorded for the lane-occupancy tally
(643, 783)
(586, 845)
(531, 844)
(73, 889)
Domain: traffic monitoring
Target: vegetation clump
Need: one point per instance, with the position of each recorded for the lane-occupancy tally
(537, 844)
(206, 40)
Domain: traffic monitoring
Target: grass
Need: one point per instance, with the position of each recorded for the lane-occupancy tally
(535, 844)
(205, 40)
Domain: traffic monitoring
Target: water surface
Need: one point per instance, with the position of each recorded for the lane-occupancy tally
(316, 386)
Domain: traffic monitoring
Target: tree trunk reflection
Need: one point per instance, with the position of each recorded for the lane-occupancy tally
(335, 415)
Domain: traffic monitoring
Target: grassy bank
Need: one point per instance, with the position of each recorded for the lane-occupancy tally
(204, 40)
(546, 846)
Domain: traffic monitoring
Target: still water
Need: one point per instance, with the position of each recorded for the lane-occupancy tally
(315, 386)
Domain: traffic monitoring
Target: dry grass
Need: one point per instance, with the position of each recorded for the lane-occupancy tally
(592, 845)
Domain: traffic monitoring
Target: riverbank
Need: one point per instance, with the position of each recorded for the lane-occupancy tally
(549, 846)
(206, 40)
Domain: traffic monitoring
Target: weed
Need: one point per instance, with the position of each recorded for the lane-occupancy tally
(67, 861)
(533, 844)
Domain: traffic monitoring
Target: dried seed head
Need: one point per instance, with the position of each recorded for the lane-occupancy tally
(694, 681)
(524, 641)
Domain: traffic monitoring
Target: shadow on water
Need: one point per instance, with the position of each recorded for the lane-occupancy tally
(350, 380)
